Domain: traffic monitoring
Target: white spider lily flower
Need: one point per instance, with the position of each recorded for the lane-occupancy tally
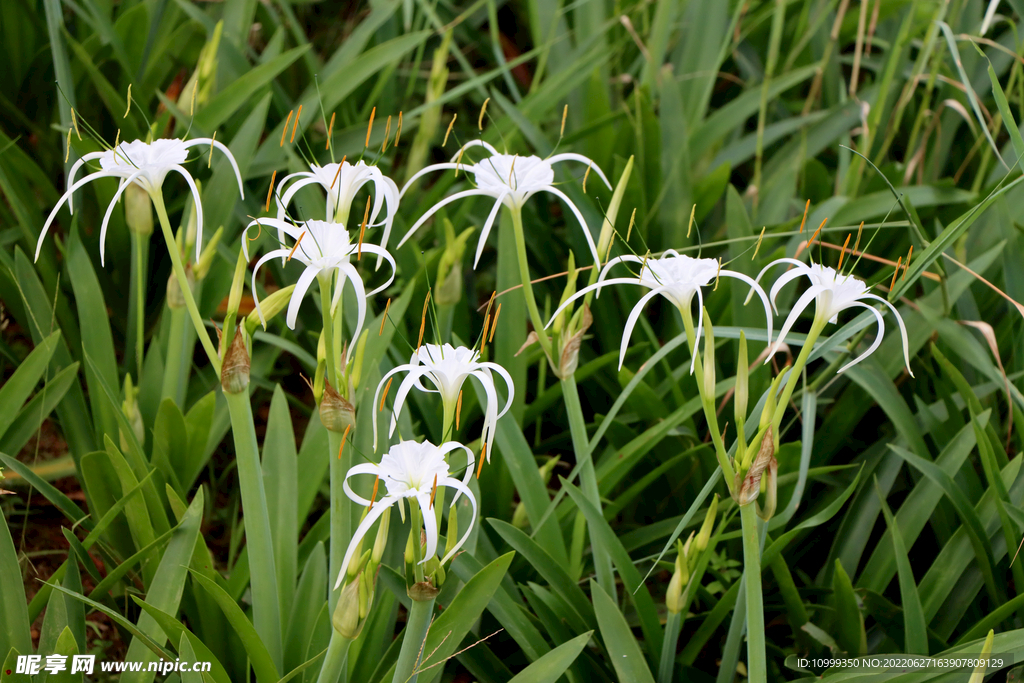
(676, 277)
(321, 247)
(411, 470)
(447, 368)
(511, 180)
(146, 164)
(832, 293)
(341, 182)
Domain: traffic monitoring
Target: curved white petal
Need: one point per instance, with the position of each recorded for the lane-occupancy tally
(510, 386)
(432, 210)
(803, 302)
(85, 158)
(464, 490)
(403, 392)
(423, 171)
(903, 329)
(305, 280)
(357, 284)
(754, 287)
(364, 526)
(700, 328)
(625, 258)
(781, 282)
(376, 396)
(634, 315)
(362, 468)
(283, 200)
(583, 223)
(874, 344)
(448, 447)
(65, 198)
(199, 206)
(110, 210)
(381, 254)
(591, 288)
(491, 409)
(487, 227)
(227, 152)
(477, 143)
(776, 262)
(429, 525)
(571, 156)
(256, 300)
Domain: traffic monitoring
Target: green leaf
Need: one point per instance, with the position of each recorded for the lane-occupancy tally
(623, 650)
(175, 630)
(64, 645)
(198, 422)
(30, 418)
(280, 474)
(553, 572)
(19, 386)
(188, 654)
(551, 666)
(631, 578)
(850, 634)
(915, 629)
(170, 442)
(14, 623)
(228, 101)
(310, 598)
(166, 588)
(259, 657)
(49, 491)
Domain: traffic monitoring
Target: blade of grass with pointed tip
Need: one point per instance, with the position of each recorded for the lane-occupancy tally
(915, 629)
(18, 387)
(551, 666)
(626, 656)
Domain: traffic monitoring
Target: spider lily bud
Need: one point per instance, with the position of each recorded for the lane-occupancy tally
(355, 365)
(436, 86)
(175, 298)
(381, 541)
(138, 210)
(449, 268)
(209, 251)
(567, 293)
(321, 369)
(272, 305)
(234, 373)
(336, 414)
(130, 409)
(748, 487)
(709, 359)
(235, 293)
(569, 353)
(423, 591)
(742, 391)
(701, 543)
(680, 577)
(350, 613)
(604, 240)
(200, 86)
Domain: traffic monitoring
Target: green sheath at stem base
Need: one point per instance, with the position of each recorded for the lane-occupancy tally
(334, 669)
(420, 613)
(756, 667)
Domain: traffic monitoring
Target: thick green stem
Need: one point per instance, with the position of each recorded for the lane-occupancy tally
(588, 478)
(333, 670)
(265, 606)
(524, 275)
(794, 374)
(137, 292)
(673, 625)
(186, 291)
(324, 280)
(341, 507)
(172, 385)
(420, 613)
(756, 666)
(708, 402)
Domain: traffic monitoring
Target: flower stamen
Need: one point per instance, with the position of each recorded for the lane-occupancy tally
(433, 493)
(458, 409)
(384, 318)
(192, 104)
(373, 498)
(270, 191)
(423, 321)
(209, 162)
(387, 134)
(126, 111)
(67, 154)
(285, 131)
(447, 132)
(74, 123)
(693, 212)
(483, 457)
(362, 231)
(296, 246)
(483, 337)
(398, 130)
(717, 274)
(258, 225)
(295, 126)
(338, 172)
(494, 323)
(385, 396)
(632, 220)
(586, 175)
(344, 440)
(483, 110)
(816, 232)
(804, 219)
(757, 246)
(896, 272)
(907, 264)
(843, 253)
(330, 130)
(369, 127)
(565, 112)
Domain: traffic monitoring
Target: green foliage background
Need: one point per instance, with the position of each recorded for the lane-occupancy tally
(900, 499)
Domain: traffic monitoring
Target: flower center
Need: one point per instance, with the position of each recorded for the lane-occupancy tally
(523, 175)
(409, 468)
